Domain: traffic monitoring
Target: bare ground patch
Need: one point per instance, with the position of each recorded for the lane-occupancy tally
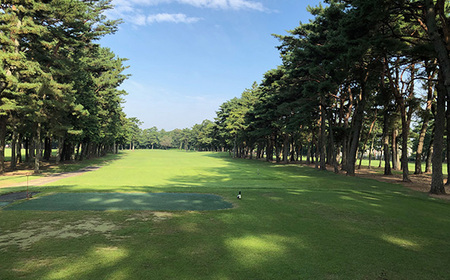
(150, 216)
(34, 231)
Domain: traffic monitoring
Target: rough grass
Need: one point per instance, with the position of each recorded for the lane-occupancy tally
(293, 223)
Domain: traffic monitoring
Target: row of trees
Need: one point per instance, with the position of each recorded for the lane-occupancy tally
(360, 72)
(57, 85)
(199, 138)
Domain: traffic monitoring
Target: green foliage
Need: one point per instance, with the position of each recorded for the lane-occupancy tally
(55, 77)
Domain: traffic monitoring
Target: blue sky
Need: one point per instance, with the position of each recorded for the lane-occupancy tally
(187, 57)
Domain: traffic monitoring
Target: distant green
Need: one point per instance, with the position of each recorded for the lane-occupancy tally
(293, 222)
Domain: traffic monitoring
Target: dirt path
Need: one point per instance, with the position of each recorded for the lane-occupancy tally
(51, 178)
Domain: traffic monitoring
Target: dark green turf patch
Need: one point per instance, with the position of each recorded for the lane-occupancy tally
(123, 201)
(3, 203)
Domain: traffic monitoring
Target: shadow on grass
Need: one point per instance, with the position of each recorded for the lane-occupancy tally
(123, 201)
(77, 165)
(292, 223)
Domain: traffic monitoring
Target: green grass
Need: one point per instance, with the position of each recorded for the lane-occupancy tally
(293, 223)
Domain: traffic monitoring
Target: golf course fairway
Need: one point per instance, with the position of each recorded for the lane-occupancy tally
(293, 222)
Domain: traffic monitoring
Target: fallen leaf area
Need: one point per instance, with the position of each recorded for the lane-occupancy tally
(31, 232)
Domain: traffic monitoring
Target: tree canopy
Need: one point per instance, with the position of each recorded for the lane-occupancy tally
(56, 82)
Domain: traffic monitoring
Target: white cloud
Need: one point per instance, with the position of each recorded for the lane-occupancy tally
(132, 10)
(175, 18)
(225, 4)
(214, 4)
(138, 19)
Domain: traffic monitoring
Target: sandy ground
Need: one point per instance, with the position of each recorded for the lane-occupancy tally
(48, 178)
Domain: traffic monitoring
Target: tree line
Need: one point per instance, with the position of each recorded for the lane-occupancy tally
(201, 137)
(58, 86)
(354, 79)
(361, 72)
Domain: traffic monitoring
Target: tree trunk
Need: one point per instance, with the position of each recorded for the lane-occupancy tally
(27, 153)
(13, 150)
(3, 120)
(269, 148)
(308, 154)
(60, 150)
(235, 146)
(78, 153)
(334, 159)
(277, 149)
(395, 159)
(299, 156)
(19, 149)
(429, 155)
(438, 37)
(293, 150)
(426, 119)
(31, 150)
(258, 152)
(37, 156)
(322, 135)
(437, 181)
(381, 158)
(345, 118)
(315, 151)
(405, 115)
(387, 155)
(366, 140)
(47, 148)
(356, 131)
(405, 135)
(370, 152)
(286, 148)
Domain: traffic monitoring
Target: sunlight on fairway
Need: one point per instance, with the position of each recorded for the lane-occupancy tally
(401, 242)
(137, 201)
(345, 197)
(298, 191)
(371, 198)
(112, 200)
(97, 258)
(254, 250)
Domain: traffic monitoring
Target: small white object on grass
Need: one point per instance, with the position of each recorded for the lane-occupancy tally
(239, 196)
